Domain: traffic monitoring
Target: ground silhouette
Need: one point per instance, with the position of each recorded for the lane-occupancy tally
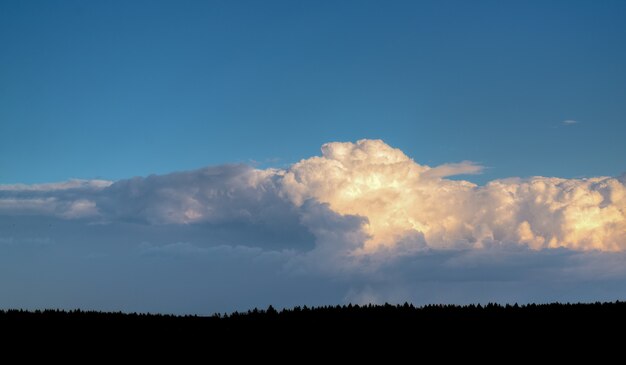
(365, 326)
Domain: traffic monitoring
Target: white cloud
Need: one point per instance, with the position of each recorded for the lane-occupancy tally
(396, 198)
(362, 222)
(65, 185)
(569, 122)
(452, 169)
(400, 197)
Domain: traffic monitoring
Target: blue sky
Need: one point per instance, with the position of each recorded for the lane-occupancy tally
(118, 89)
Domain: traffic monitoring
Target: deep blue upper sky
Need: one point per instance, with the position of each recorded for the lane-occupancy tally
(115, 89)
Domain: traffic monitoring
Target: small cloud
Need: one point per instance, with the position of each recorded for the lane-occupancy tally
(452, 169)
(570, 122)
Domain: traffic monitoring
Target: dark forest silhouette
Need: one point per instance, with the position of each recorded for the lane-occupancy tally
(338, 328)
(370, 313)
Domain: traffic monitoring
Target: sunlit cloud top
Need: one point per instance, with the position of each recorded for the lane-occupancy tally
(401, 198)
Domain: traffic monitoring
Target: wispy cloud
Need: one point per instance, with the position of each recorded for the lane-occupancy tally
(570, 122)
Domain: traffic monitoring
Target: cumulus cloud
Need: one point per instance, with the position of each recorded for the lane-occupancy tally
(361, 222)
(214, 194)
(400, 197)
(398, 201)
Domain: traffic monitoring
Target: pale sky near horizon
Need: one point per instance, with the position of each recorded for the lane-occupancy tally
(203, 156)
